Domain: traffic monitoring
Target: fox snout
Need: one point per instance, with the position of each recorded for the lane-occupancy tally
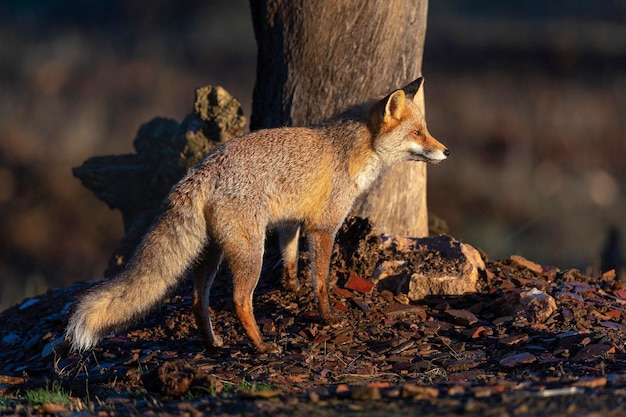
(434, 156)
(437, 155)
(428, 149)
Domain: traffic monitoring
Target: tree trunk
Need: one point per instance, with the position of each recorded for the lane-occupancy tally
(316, 58)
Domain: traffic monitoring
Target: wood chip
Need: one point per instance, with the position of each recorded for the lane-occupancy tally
(359, 284)
(399, 310)
(591, 382)
(462, 317)
(518, 359)
(520, 260)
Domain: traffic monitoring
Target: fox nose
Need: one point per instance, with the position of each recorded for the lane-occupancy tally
(446, 152)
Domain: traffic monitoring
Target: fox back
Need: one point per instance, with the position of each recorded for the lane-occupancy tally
(313, 175)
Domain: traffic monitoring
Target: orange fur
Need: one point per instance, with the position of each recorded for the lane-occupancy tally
(285, 178)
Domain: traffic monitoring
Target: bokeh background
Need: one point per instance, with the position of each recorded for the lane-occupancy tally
(529, 96)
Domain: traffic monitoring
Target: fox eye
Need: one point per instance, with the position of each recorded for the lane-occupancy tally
(417, 132)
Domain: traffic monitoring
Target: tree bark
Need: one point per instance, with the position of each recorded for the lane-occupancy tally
(316, 58)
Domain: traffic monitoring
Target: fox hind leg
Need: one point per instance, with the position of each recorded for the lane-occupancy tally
(245, 258)
(288, 237)
(203, 277)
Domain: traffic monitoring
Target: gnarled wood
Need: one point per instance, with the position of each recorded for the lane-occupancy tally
(165, 149)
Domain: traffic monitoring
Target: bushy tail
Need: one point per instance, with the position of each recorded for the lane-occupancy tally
(168, 249)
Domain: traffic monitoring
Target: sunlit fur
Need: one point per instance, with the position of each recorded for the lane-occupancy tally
(286, 177)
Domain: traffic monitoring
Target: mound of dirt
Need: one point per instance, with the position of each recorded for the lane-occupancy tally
(531, 340)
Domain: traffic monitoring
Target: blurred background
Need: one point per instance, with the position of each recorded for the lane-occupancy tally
(529, 96)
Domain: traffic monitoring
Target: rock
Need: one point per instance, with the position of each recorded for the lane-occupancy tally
(534, 305)
(437, 265)
(414, 267)
(172, 378)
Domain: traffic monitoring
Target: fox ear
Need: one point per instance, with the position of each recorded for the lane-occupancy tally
(394, 107)
(413, 88)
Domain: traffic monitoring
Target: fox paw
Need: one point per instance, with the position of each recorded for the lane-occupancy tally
(269, 348)
(213, 341)
(331, 319)
(217, 341)
(292, 285)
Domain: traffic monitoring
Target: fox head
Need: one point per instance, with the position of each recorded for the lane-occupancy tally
(400, 132)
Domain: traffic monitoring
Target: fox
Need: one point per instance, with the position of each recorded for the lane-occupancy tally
(288, 178)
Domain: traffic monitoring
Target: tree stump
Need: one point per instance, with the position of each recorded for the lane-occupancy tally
(165, 149)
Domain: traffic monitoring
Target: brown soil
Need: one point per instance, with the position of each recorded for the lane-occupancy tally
(479, 354)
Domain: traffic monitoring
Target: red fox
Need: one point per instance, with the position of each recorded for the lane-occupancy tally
(284, 177)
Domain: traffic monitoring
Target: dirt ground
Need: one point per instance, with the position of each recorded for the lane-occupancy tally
(487, 353)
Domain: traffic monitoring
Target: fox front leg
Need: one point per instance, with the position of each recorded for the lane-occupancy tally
(320, 247)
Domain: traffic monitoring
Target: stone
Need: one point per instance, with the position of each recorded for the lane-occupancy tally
(172, 378)
(437, 265)
(405, 266)
(534, 305)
